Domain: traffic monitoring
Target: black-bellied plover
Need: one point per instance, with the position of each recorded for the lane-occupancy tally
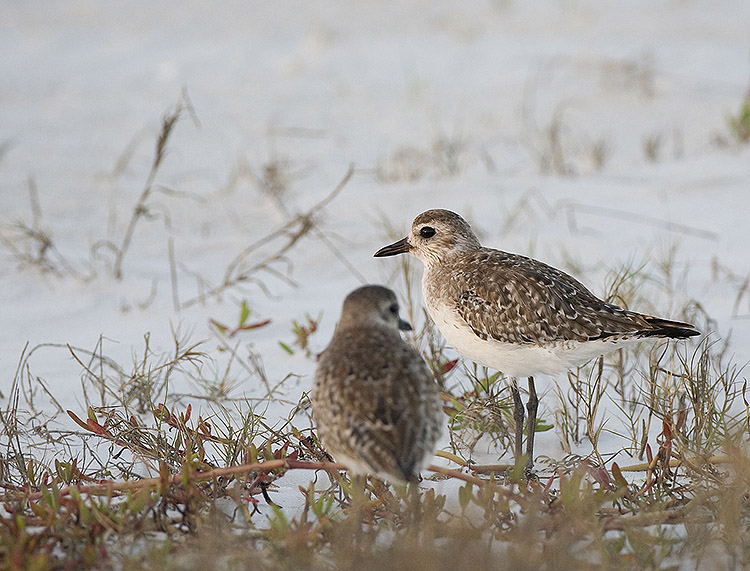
(375, 403)
(516, 314)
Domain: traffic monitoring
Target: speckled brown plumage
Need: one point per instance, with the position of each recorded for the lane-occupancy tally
(515, 299)
(375, 403)
(513, 313)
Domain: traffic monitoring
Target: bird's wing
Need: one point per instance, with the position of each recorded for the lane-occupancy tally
(529, 302)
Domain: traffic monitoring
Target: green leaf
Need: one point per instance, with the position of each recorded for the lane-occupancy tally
(492, 379)
(465, 494)
(286, 348)
(543, 426)
(219, 326)
(244, 312)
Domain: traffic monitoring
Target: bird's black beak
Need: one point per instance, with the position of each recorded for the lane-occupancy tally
(404, 325)
(400, 247)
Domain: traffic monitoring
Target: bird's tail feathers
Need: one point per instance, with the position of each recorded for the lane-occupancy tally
(667, 328)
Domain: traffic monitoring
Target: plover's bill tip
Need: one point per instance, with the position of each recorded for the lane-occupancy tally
(400, 247)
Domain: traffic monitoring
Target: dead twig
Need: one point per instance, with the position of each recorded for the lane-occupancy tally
(141, 208)
(294, 230)
(111, 487)
(675, 463)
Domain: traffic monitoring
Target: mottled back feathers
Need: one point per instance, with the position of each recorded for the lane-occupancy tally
(515, 299)
(375, 402)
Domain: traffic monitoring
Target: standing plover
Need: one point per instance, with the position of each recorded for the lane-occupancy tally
(516, 314)
(376, 405)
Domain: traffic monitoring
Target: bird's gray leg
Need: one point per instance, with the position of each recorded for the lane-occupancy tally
(518, 415)
(531, 406)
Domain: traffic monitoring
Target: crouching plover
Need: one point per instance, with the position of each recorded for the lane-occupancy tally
(376, 405)
(515, 314)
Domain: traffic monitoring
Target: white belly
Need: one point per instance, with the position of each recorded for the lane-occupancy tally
(516, 360)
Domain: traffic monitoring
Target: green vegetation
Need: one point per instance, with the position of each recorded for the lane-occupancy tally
(136, 478)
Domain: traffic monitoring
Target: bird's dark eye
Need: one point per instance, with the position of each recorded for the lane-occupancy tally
(427, 232)
(393, 309)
